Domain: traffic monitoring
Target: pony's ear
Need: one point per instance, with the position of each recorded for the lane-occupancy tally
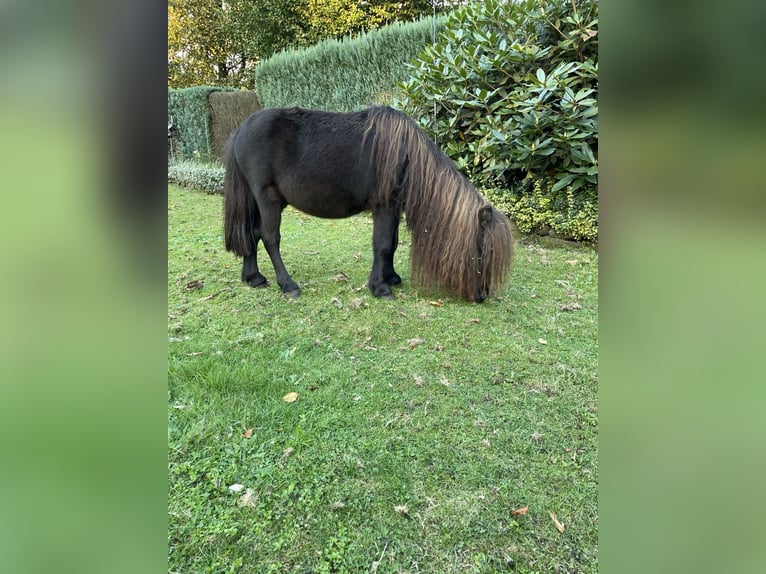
(485, 216)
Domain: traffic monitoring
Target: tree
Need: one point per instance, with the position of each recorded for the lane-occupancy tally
(220, 41)
(338, 18)
(199, 43)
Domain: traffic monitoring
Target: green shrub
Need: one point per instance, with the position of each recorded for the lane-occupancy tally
(189, 111)
(204, 116)
(541, 211)
(347, 74)
(514, 88)
(227, 111)
(208, 178)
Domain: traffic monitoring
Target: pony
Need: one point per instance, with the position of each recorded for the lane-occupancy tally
(338, 164)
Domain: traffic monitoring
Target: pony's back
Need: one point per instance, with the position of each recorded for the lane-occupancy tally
(311, 159)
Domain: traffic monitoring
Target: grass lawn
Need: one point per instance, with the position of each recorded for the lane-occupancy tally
(420, 424)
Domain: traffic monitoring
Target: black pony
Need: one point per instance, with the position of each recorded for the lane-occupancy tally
(335, 165)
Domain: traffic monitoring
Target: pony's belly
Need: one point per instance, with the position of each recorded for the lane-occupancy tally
(330, 211)
(326, 201)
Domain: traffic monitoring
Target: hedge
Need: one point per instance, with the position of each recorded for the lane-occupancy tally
(204, 116)
(344, 75)
(228, 110)
(207, 178)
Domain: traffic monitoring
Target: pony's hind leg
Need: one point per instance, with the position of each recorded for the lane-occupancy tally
(271, 219)
(250, 272)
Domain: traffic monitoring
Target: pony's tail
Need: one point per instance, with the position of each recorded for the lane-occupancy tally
(241, 216)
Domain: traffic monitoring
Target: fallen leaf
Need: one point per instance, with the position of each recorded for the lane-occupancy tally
(414, 342)
(418, 380)
(341, 277)
(236, 487)
(290, 397)
(485, 443)
(313, 388)
(196, 284)
(337, 302)
(195, 354)
(248, 499)
(542, 341)
(288, 452)
(436, 303)
(574, 306)
(520, 511)
(248, 433)
(402, 510)
(208, 297)
(559, 526)
(475, 320)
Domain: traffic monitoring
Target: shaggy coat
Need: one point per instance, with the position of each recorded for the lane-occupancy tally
(335, 165)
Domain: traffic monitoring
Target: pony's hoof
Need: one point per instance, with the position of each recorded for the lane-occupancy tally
(294, 294)
(383, 292)
(255, 279)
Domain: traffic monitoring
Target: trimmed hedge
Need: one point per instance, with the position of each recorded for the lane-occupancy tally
(344, 75)
(228, 110)
(189, 112)
(204, 116)
(203, 177)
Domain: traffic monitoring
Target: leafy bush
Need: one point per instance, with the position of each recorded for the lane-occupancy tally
(189, 111)
(208, 178)
(510, 92)
(541, 211)
(204, 116)
(344, 75)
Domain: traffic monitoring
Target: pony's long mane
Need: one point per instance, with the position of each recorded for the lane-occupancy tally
(452, 246)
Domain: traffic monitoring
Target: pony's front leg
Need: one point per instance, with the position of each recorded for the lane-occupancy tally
(385, 239)
(271, 218)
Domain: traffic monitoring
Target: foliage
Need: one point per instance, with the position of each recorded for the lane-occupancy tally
(189, 110)
(189, 113)
(514, 86)
(204, 177)
(347, 74)
(458, 412)
(263, 28)
(200, 40)
(339, 18)
(217, 42)
(542, 211)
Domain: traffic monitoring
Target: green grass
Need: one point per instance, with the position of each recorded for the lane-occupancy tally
(420, 423)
